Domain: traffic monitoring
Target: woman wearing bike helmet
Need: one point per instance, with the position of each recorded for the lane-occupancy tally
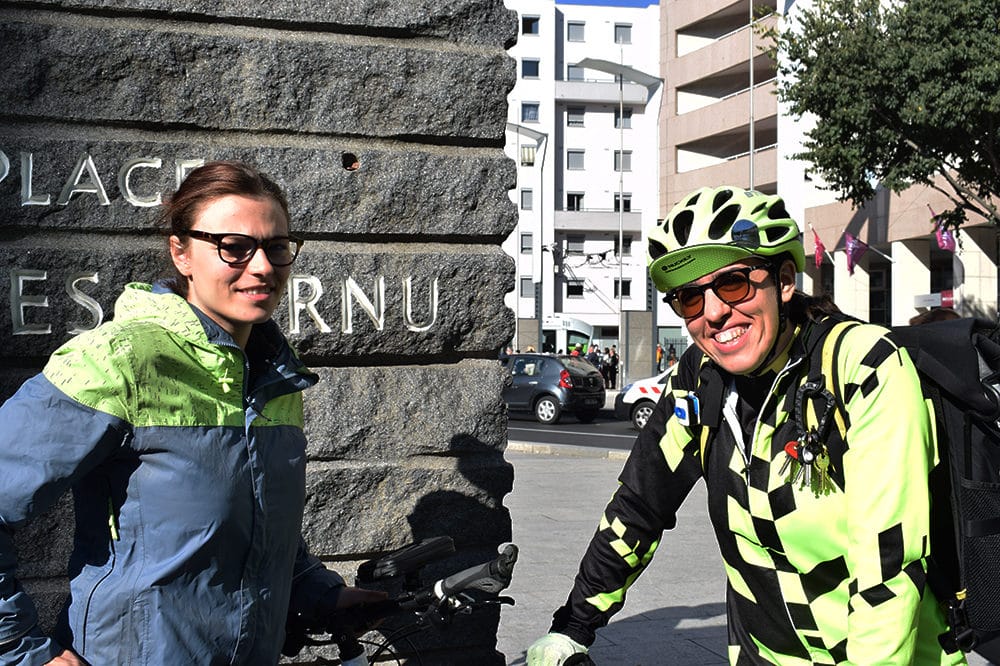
(822, 515)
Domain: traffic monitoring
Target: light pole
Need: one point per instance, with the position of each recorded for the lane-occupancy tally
(652, 84)
(537, 261)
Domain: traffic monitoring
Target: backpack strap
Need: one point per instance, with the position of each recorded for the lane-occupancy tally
(823, 343)
(695, 375)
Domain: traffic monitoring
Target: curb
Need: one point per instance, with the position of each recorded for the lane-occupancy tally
(567, 450)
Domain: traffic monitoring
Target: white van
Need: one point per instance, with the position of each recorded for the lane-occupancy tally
(635, 402)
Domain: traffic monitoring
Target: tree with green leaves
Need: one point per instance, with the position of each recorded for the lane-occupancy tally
(902, 91)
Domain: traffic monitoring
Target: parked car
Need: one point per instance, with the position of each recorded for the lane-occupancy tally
(635, 402)
(548, 385)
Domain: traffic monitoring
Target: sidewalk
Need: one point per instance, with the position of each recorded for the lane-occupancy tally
(674, 614)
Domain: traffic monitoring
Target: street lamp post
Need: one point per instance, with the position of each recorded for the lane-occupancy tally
(652, 83)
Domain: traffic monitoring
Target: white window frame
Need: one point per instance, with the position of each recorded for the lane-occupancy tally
(527, 197)
(627, 197)
(623, 160)
(527, 287)
(627, 116)
(578, 196)
(575, 73)
(538, 68)
(527, 241)
(575, 243)
(575, 284)
(570, 29)
(526, 106)
(575, 116)
(535, 22)
(527, 155)
(627, 288)
(628, 37)
(571, 154)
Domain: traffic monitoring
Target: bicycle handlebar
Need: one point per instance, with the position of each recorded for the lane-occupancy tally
(490, 577)
(436, 602)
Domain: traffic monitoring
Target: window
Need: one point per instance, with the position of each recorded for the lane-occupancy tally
(626, 286)
(526, 240)
(574, 116)
(527, 288)
(527, 155)
(574, 244)
(623, 33)
(628, 245)
(623, 120)
(529, 112)
(625, 202)
(574, 73)
(574, 31)
(574, 288)
(529, 25)
(529, 68)
(623, 161)
(574, 201)
(574, 160)
(527, 201)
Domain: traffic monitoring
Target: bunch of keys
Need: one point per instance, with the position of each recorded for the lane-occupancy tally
(809, 462)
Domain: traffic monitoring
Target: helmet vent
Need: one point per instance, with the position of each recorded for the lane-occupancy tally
(775, 234)
(723, 221)
(682, 226)
(656, 250)
(777, 211)
(693, 200)
(759, 207)
(721, 198)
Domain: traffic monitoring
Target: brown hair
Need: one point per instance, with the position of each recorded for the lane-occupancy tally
(207, 183)
(934, 314)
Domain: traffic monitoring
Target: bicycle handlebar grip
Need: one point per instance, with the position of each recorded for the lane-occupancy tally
(490, 577)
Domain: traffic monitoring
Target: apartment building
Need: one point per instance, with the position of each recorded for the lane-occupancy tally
(585, 141)
(722, 124)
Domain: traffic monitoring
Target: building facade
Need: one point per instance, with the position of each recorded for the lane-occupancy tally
(722, 124)
(584, 140)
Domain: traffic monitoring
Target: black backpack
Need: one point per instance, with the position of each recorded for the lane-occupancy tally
(959, 366)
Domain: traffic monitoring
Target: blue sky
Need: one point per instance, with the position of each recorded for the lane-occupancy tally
(610, 3)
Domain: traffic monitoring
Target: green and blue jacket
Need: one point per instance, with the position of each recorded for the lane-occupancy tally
(186, 458)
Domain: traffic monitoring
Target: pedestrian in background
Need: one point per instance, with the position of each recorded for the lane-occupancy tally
(659, 357)
(612, 367)
(606, 366)
(178, 427)
(824, 547)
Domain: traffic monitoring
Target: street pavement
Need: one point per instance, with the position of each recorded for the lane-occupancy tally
(674, 614)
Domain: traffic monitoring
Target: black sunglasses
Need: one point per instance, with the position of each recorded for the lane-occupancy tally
(731, 287)
(238, 249)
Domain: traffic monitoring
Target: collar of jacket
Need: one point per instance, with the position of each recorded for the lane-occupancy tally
(267, 352)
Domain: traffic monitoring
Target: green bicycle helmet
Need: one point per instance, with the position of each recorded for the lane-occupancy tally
(711, 228)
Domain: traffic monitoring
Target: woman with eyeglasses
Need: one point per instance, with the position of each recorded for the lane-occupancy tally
(821, 516)
(178, 427)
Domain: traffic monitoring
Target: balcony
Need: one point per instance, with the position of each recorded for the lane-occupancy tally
(605, 92)
(729, 53)
(596, 219)
(726, 116)
(733, 171)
